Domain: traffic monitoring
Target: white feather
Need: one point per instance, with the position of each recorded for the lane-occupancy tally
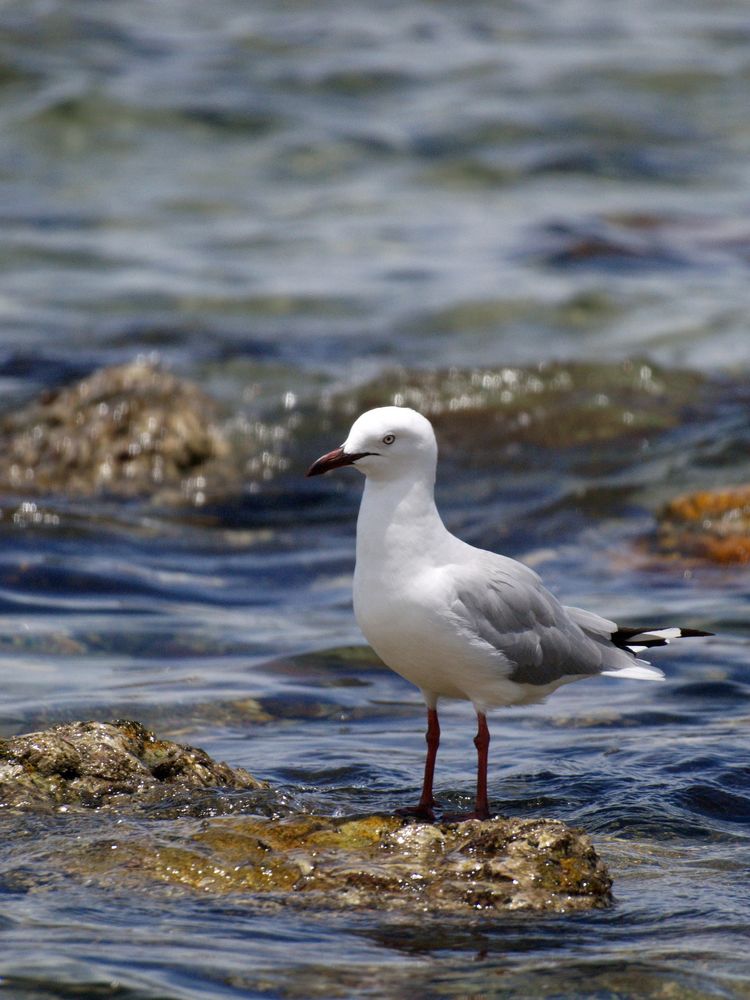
(658, 633)
(640, 670)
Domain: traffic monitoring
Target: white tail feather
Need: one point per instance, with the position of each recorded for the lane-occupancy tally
(640, 670)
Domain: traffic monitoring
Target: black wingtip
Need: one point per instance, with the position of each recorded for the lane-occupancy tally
(626, 636)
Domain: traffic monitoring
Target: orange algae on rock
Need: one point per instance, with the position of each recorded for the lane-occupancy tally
(708, 524)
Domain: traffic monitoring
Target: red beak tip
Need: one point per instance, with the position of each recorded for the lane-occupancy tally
(332, 460)
(335, 459)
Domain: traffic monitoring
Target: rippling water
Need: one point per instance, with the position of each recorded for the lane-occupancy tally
(283, 199)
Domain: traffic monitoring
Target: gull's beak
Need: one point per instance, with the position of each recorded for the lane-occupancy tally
(333, 460)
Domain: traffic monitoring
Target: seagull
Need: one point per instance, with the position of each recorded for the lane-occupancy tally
(455, 620)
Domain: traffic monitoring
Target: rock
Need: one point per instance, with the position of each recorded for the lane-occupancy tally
(94, 763)
(377, 862)
(483, 414)
(126, 431)
(612, 241)
(134, 431)
(642, 240)
(710, 524)
(552, 405)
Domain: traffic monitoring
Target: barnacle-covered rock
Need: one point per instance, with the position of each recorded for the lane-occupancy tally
(94, 763)
(375, 862)
(128, 431)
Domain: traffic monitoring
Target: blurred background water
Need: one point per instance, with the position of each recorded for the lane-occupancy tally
(285, 201)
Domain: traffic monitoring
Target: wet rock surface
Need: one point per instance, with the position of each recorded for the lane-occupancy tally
(125, 431)
(379, 862)
(375, 862)
(708, 524)
(92, 764)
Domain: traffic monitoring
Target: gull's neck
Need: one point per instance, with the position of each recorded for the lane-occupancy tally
(399, 523)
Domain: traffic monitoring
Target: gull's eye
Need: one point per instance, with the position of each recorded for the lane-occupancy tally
(389, 439)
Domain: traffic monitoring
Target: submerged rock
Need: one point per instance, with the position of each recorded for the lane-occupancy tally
(709, 524)
(134, 431)
(93, 763)
(642, 240)
(127, 431)
(377, 862)
(635, 242)
(553, 405)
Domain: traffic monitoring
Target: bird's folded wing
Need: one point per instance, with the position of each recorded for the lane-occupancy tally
(505, 604)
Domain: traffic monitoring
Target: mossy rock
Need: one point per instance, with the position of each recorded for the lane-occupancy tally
(376, 862)
(91, 764)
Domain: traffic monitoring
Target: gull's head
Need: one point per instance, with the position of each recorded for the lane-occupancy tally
(386, 443)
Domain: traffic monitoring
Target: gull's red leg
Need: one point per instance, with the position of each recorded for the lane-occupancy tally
(423, 809)
(481, 806)
(432, 737)
(482, 743)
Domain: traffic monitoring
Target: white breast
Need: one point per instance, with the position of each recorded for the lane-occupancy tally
(409, 625)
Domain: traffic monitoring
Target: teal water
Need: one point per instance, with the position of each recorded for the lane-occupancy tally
(282, 200)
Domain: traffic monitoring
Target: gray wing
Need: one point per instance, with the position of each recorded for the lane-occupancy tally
(505, 604)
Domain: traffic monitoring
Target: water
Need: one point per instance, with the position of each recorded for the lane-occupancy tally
(283, 199)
